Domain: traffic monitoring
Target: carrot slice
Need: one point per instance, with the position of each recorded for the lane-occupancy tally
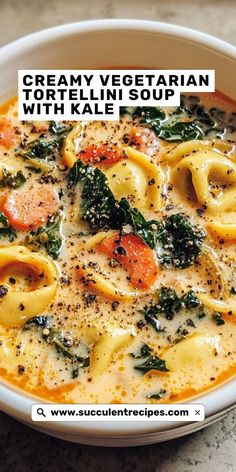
(8, 135)
(145, 140)
(134, 255)
(103, 154)
(30, 207)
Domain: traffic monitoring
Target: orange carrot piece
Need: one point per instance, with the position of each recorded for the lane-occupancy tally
(145, 140)
(103, 154)
(8, 135)
(30, 206)
(134, 255)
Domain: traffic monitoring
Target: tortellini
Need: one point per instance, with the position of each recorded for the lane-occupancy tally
(225, 307)
(192, 351)
(103, 285)
(225, 231)
(106, 345)
(208, 179)
(137, 177)
(35, 284)
(224, 148)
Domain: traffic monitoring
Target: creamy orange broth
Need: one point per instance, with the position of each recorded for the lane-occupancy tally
(83, 314)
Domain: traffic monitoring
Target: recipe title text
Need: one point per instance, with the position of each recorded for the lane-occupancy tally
(98, 95)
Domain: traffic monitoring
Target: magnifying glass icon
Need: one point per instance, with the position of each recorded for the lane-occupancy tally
(41, 412)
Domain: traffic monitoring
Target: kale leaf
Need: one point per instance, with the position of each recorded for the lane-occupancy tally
(41, 149)
(45, 150)
(12, 180)
(145, 351)
(217, 318)
(5, 229)
(146, 229)
(190, 300)
(151, 362)
(180, 131)
(168, 304)
(48, 236)
(157, 396)
(98, 202)
(42, 321)
(58, 128)
(155, 118)
(181, 241)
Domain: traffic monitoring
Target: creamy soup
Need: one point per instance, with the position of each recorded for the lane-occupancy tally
(117, 255)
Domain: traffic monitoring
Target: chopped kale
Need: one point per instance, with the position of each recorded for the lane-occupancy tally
(5, 229)
(98, 203)
(48, 236)
(58, 128)
(3, 220)
(151, 362)
(148, 115)
(12, 180)
(145, 351)
(191, 300)
(101, 210)
(180, 131)
(181, 241)
(169, 130)
(169, 302)
(41, 151)
(151, 318)
(157, 396)
(201, 314)
(168, 305)
(42, 321)
(181, 332)
(217, 318)
(146, 229)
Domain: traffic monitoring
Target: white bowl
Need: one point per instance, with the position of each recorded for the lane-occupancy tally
(105, 44)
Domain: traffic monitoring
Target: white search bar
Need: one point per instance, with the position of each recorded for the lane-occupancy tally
(111, 412)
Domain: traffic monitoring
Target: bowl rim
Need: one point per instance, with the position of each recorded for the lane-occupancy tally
(183, 32)
(18, 403)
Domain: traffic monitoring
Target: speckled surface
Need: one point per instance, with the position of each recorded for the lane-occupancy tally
(213, 449)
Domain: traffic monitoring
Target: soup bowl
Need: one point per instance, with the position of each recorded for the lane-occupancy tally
(113, 44)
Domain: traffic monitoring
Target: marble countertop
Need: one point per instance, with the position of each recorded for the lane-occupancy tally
(214, 448)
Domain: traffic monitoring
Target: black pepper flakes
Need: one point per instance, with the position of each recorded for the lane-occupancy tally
(3, 291)
(89, 298)
(115, 305)
(12, 280)
(21, 369)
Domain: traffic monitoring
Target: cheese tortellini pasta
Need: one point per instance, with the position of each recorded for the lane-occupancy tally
(208, 179)
(35, 283)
